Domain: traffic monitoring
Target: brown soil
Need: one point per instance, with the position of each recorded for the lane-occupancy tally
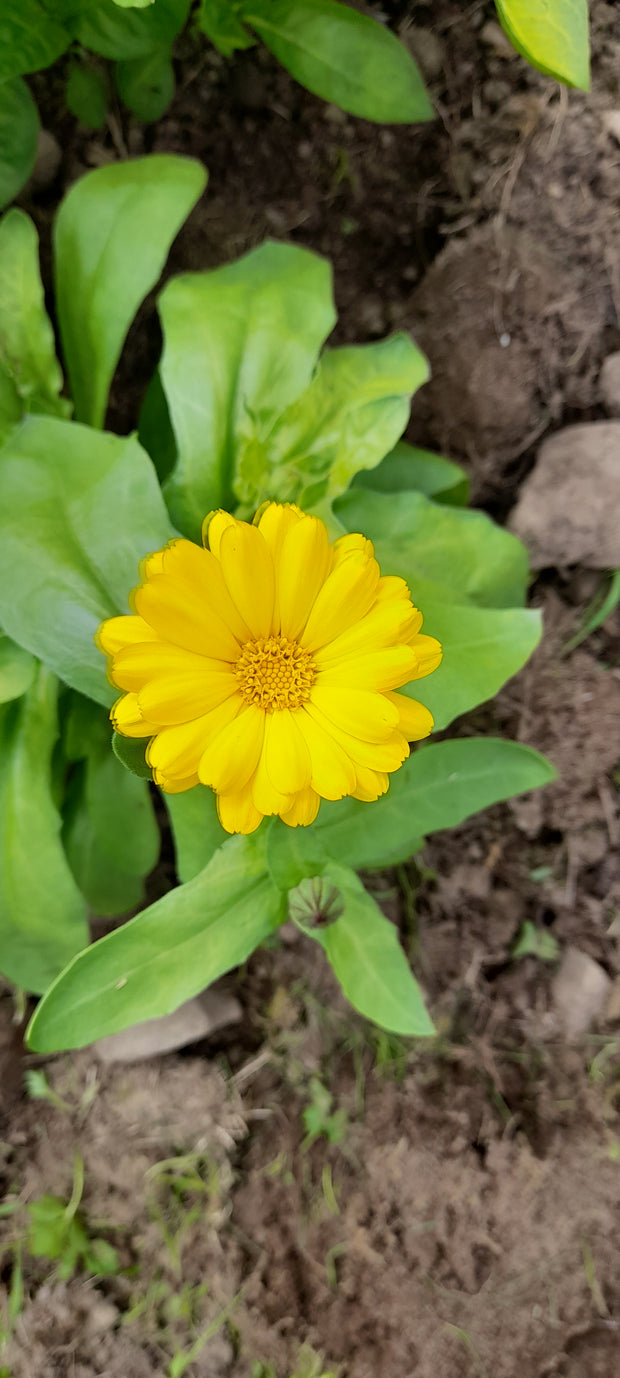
(466, 1221)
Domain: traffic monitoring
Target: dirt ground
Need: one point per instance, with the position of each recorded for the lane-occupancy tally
(459, 1215)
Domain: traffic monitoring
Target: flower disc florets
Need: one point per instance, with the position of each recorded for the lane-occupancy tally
(265, 666)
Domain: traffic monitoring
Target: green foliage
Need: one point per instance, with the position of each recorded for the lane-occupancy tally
(196, 830)
(168, 953)
(343, 56)
(27, 349)
(553, 36)
(219, 20)
(58, 1231)
(146, 84)
(319, 1118)
(19, 130)
(87, 94)
(406, 468)
(42, 914)
(535, 942)
(112, 236)
(126, 33)
(31, 39)
(17, 670)
(71, 537)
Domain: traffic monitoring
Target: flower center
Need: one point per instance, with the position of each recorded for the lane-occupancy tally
(275, 673)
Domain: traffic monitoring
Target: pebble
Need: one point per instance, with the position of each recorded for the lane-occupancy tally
(567, 513)
(581, 991)
(610, 384)
(195, 1019)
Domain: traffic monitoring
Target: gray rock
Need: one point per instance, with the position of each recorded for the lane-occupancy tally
(567, 513)
(610, 384)
(211, 1010)
(581, 991)
(49, 157)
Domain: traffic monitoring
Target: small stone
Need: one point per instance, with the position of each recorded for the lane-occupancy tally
(195, 1019)
(48, 160)
(611, 122)
(495, 39)
(567, 513)
(581, 991)
(610, 384)
(426, 47)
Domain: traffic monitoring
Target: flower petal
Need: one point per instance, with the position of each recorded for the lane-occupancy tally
(287, 759)
(361, 712)
(415, 720)
(385, 624)
(371, 784)
(383, 756)
(347, 594)
(333, 772)
(202, 576)
(301, 570)
(213, 528)
(274, 523)
(185, 621)
(232, 757)
(135, 664)
(237, 812)
(176, 751)
(386, 668)
(175, 786)
(428, 653)
(122, 631)
(346, 544)
(304, 810)
(182, 698)
(248, 569)
(127, 719)
(267, 798)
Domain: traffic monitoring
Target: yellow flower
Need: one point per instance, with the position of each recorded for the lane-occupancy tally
(265, 666)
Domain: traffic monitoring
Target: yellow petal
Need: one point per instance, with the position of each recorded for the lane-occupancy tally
(122, 631)
(385, 624)
(346, 544)
(275, 521)
(237, 812)
(133, 665)
(247, 567)
(304, 810)
(127, 719)
(181, 698)
(232, 757)
(428, 654)
(201, 574)
(346, 595)
(267, 799)
(383, 756)
(165, 605)
(287, 758)
(302, 569)
(371, 784)
(333, 772)
(176, 751)
(415, 720)
(213, 528)
(359, 711)
(151, 564)
(384, 669)
(392, 586)
(175, 786)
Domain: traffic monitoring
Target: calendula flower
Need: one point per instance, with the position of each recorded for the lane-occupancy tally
(265, 666)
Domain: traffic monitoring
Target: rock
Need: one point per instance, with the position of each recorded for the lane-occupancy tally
(581, 991)
(196, 1019)
(427, 48)
(611, 122)
(48, 160)
(567, 513)
(610, 384)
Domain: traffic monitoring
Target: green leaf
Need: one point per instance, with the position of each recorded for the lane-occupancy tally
(407, 467)
(123, 34)
(535, 942)
(351, 414)
(294, 854)
(342, 56)
(133, 4)
(11, 412)
(240, 343)
(455, 554)
(17, 670)
(79, 509)
(29, 38)
(552, 35)
(218, 20)
(112, 236)
(603, 604)
(130, 751)
(42, 914)
(171, 951)
(87, 94)
(19, 132)
(121, 813)
(364, 953)
(196, 829)
(146, 84)
(27, 347)
(106, 887)
(155, 432)
(439, 786)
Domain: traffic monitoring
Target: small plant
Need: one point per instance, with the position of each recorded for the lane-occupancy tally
(58, 1231)
(251, 416)
(319, 1118)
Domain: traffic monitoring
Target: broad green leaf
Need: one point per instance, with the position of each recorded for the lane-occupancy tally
(87, 94)
(293, 854)
(351, 414)
(464, 555)
(11, 410)
(79, 509)
(17, 670)
(218, 20)
(27, 348)
(196, 829)
(107, 889)
(19, 132)
(408, 468)
(439, 786)
(154, 429)
(343, 56)
(29, 38)
(112, 236)
(240, 344)
(552, 35)
(130, 751)
(363, 950)
(42, 914)
(121, 812)
(133, 4)
(482, 648)
(146, 84)
(171, 951)
(104, 28)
